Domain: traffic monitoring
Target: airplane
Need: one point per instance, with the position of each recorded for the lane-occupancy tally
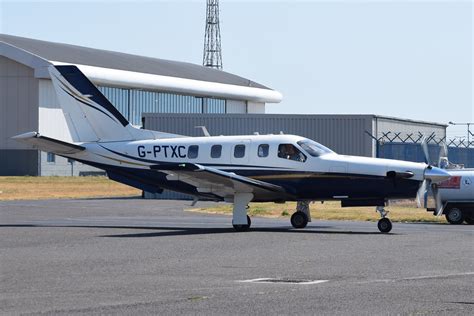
(237, 169)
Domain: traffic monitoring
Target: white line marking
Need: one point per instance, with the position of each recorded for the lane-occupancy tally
(280, 281)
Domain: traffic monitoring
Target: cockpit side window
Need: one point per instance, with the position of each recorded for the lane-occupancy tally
(290, 152)
(313, 148)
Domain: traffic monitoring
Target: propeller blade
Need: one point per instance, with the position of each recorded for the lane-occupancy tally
(438, 203)
(443, 152)
(443, 161)
(421, 195)
(424, 146)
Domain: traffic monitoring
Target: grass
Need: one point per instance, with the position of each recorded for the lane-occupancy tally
(40, 188)
(405, 211)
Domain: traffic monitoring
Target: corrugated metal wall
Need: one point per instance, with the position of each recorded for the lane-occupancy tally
(344, 134)
(405, 128)
(414, 152)
(18, 114)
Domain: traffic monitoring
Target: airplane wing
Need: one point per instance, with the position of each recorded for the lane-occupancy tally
(219, 182)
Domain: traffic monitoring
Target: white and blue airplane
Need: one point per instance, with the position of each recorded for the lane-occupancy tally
(237, 169)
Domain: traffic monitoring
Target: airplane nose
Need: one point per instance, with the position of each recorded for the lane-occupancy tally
(436, 174)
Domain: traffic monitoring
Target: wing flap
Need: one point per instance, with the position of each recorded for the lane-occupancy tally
(212, 180)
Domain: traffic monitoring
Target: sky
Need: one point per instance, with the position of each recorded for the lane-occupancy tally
(409, 59)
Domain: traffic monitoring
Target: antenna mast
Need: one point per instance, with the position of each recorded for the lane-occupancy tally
(212, 56)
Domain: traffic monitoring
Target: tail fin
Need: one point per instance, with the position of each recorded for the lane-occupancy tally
(89, 115)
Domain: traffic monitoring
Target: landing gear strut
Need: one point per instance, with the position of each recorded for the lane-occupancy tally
(384, 224)
(302, 216)
(240, 220)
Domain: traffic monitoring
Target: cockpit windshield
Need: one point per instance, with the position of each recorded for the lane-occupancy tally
(313, 148)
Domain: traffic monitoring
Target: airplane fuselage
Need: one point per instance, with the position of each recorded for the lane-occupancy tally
(322, 175)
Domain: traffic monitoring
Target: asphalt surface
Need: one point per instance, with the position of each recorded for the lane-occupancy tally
(132, 256)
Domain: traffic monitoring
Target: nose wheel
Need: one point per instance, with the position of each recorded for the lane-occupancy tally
(384, 224)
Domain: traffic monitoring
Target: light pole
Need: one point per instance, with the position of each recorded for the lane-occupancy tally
(468, 130)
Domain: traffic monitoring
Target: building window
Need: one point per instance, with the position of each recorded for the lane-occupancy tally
(290, 152)
(50, 157)
(193, 151)
(263, 150)
(239, 151)
(216, 151)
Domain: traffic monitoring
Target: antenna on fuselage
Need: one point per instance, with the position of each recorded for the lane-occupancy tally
(204, 130)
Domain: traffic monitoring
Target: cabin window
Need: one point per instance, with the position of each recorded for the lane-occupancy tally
(216, 151)
(263, 150)
(50, 157)
(290, 152)
(239, 151)
(193, 151)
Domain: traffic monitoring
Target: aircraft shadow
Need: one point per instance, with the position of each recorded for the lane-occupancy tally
(162, 231)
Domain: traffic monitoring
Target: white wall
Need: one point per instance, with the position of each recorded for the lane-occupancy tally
(235, 106)
(255, 107)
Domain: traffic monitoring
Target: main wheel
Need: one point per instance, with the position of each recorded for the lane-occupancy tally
(454, 216)
(243, 228)
(299, 220)
(384, 225)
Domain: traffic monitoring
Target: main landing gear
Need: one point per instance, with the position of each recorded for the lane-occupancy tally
(302, 216)
(240, 220)
(384, 224)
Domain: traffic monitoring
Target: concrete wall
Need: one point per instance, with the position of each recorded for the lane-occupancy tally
(63, 167)
(18, 114)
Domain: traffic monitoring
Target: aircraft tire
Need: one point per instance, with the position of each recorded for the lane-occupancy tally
(243, 228)
(299, 220)
(454, 216)
(384, 225)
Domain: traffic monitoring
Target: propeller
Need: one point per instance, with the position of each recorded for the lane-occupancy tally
(424, 146)
(432, 176)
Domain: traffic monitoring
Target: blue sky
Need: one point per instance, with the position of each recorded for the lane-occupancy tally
(411, 59)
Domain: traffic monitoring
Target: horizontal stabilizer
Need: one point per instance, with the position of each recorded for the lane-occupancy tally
(48, 144)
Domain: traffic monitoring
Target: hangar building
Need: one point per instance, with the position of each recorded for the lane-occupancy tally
(134, 84)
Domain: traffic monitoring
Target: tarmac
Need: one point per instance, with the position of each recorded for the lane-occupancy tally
(134, 256)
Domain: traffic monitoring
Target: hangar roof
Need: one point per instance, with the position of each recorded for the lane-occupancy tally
(117, 69)
(115, 60)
